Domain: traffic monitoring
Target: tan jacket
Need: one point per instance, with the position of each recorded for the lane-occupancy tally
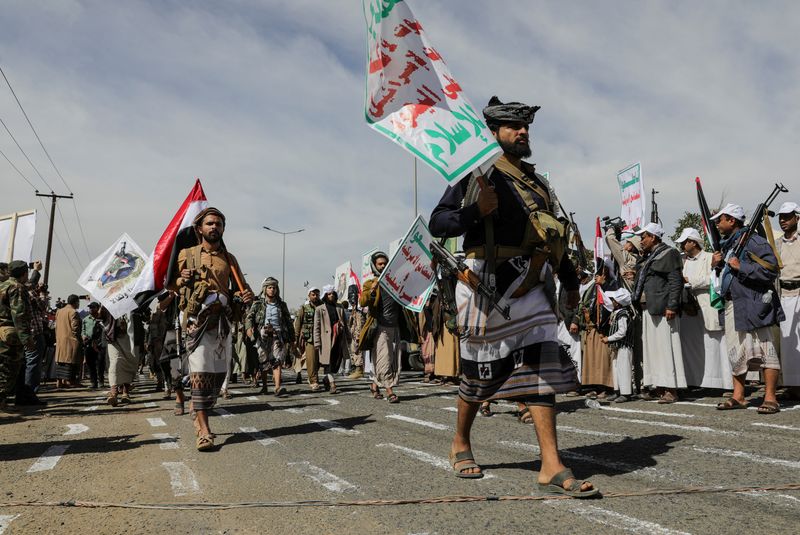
(68, 330)
(323, 334)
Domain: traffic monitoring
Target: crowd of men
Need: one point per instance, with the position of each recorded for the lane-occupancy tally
(651, 320)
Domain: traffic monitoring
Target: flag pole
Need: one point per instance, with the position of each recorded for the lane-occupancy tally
(416, 211)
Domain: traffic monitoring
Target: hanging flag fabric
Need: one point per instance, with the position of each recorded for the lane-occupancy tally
(111, 277)
(17, 231)
(178, 235)
(414, 100)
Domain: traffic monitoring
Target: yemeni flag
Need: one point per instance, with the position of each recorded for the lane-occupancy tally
(178, 235)
(599, 257)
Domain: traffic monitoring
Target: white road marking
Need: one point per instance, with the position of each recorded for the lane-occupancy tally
(49, 458)
(698, 428)
(649, 472)
(433, 460)
(259, 437)
(612, 519)
(639, 411)
(294, 410)
(331, 401)
(222, 412)
(777, 426)
(590, 432)
(182, 479)
(156, 422)
(330, 425)
(92, 408)
(151, 404)
(749, 456)
(5, 521)
(451, 409)
(252, 398)
(326, 479)
(424, 423)
(167, 441)
(778, 499)
(76, 429)
(694, 403)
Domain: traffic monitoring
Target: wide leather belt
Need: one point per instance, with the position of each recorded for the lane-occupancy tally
(502, 252)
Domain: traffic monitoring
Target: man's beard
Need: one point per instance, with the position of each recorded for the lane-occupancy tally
(214, 237)
(520, 150)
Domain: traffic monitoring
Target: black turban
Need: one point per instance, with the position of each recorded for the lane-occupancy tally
(497, 113)
(208, 211)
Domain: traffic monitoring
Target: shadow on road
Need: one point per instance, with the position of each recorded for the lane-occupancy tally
(302, 429)
(32, 450)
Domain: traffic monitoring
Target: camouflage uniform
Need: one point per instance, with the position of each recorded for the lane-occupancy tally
(15, 333)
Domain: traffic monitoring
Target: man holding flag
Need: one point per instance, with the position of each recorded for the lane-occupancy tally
(206, 274)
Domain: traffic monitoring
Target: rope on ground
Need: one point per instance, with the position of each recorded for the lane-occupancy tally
(410, 501)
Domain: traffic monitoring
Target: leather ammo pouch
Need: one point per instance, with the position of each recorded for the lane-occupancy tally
(192, 295)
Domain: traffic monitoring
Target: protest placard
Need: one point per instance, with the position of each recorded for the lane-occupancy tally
(631, 191)
(409, 276)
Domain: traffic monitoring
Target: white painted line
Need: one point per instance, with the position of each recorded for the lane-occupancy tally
(167, 441)
(49, 458)
(304, 396)
(698, 428)
(451, 409)
(654, 413)
(151, 404)
(331, 401)
(294, 410)
(649, 472)
(590, 432)
(612, 519)
(222, 412)
(259, 437)
(5, 521)
(424, 423)
(251, 398)
(326, 479)
(76, 429)
(777, 426)
(749, 456)
(695, 404)
(156, 422)
(182, 479)
(778, 499)
(92, 408)
(433, 460)
(331, 425)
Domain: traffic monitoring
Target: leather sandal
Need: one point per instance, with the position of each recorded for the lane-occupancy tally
(205, 443)
(468, 461)
(556, 486)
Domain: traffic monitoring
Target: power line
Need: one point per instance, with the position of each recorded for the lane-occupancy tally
(25, 154)
(80, 226)
(58, 241)
(34, 130)
(18, 171)
(69, 237)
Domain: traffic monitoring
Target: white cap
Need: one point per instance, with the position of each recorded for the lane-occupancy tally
(733, 210)
(690, 234)
(313, 289)
(789, 208)
(328, 288)
(651, 228)
(621, 296)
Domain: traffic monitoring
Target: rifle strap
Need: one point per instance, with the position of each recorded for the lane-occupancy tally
(763, 263)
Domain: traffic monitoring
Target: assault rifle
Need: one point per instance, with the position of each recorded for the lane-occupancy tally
(582, 263)
(738, 249)
(452, 266)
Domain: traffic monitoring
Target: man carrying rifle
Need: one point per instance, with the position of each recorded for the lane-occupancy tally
(514, 246)
(752, 307)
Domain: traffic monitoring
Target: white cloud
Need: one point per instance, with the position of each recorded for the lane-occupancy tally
(263, 101)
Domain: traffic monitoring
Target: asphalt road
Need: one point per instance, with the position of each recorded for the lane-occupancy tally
(350, 447)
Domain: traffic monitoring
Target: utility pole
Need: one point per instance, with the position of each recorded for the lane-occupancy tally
(53, 199)
(283, 255)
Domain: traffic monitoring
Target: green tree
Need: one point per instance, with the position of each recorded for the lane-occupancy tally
(691, 220)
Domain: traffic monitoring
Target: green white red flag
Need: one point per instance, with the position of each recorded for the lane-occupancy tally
(413, 99)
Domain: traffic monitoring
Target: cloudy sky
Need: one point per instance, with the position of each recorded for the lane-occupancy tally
(263, 100)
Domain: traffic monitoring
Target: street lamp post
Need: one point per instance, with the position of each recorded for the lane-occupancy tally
(283, 272)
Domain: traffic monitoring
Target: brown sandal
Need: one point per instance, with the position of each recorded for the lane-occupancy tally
(179, 410)
(769, 407)
(205, 443)
(731, 404)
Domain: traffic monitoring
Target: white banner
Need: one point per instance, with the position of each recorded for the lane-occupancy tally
(631, 191)
(414, 100)
(394, 246)
(17, 231)
(366, 269)
(111, 276)
(409, 277)
(341, 279)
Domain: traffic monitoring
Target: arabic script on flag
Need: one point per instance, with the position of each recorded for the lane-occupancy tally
(414, 100)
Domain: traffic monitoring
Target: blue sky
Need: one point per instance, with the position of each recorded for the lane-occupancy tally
(263, 100)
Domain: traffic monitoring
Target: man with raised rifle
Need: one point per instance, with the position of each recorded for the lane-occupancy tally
(752, 307)
(514, 245)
